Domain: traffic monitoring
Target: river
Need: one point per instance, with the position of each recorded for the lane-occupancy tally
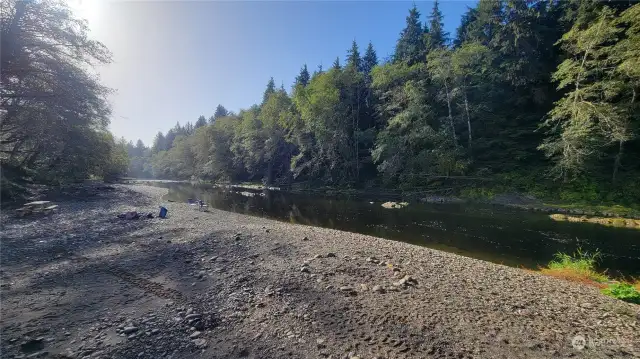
(489, 232)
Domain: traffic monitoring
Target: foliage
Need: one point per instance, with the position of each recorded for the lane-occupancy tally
(410, 47)
(531, 96)
(586, 117)
(578, 267)
(623, 291)
(435, 36)
(117, 163)
(54, 111)
(303, 78)
(220, 112)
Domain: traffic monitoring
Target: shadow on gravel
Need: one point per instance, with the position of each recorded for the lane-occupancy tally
(101, 281)
(77, 227)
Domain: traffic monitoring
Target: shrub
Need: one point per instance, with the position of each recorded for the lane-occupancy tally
(623, 291)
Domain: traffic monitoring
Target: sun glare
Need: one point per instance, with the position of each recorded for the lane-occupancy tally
(89, 10)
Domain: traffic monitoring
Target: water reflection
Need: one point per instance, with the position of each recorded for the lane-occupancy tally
(493, 233)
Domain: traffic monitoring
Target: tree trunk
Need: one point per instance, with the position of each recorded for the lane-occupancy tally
(616, 163)
(358, 138)
(453, 129)
(466, 108)
(270, 172)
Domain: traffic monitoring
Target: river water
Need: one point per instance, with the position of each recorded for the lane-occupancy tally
(488, 232)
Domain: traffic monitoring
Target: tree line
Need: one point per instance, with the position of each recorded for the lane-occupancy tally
(535, 95)
(54, 111)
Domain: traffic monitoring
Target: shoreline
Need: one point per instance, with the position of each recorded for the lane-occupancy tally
(515, 200)
(221, 284)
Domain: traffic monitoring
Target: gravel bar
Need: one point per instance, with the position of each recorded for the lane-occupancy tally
(82, 283)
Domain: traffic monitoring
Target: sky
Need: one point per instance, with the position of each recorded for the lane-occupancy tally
(176, 60)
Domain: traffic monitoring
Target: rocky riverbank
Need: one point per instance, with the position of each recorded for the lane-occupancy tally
(83, 283)
(530, 203)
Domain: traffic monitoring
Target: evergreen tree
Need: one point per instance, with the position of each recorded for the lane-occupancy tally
(353, 57)
(462, 32)
(436, 38)
(171, 135)
(188, 129)
(271, 88)
(303, 77)
(219, 113)
(436, 111)
(484, 22)
(410, 47)
(370, 60)
(202, 121)
(587, 119)
(131, 149)
(159, 143)
(140, 148)
(336, 64)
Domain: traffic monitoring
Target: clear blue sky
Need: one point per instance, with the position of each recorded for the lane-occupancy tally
(177, 60)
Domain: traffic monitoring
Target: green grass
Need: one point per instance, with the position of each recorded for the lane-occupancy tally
(578, 267)
(581, 267)
(623, 291)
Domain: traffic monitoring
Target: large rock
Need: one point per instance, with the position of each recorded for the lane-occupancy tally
(392, 205)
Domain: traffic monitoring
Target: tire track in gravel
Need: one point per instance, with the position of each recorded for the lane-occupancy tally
(144, 284)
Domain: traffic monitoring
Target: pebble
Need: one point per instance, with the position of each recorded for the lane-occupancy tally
(406, 280)
(304, 269)
(586, 305)
(195, 334)
(330, 255)
(129, 330)
(378, 289)
(200, 343)
(305, 238)
(317, 256)
(324, 352)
